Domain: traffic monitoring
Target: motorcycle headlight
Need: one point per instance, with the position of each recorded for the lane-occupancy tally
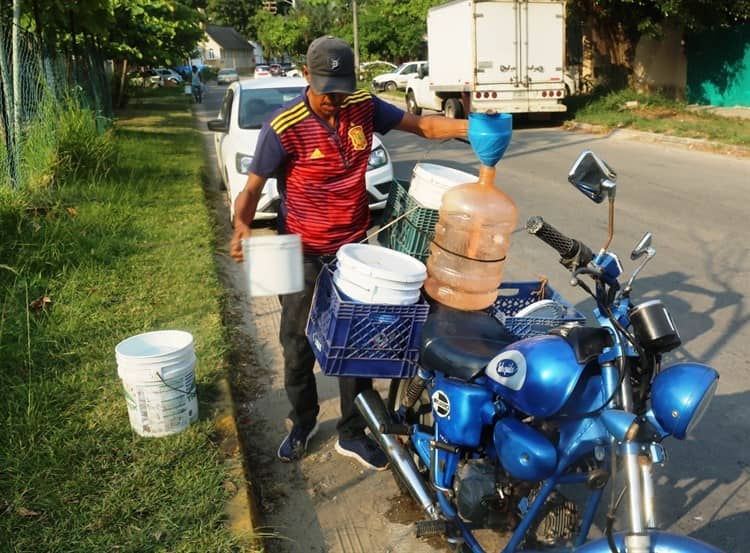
(680, 395)
(378, 158)
(242, 162)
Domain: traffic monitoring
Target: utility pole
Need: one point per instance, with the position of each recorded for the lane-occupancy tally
(356, 38)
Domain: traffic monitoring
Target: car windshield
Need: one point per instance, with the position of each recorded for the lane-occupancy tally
(261, 67)
(227, 72)
(257, 105)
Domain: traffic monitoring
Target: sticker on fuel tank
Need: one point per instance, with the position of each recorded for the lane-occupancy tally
(441, 404)
(508, 369)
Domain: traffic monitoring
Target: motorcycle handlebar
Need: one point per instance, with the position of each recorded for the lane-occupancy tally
(573, 253)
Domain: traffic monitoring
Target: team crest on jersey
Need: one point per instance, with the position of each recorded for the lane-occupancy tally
(317, 154)
(357, 136)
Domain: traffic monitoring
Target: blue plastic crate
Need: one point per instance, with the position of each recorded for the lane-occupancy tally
(351, 338)
(514, 296)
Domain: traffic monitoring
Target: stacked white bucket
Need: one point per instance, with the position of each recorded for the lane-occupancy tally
(373, 274)
(430, 181)
(158, 373)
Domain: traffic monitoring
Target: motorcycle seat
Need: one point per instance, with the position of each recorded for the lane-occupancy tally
(460, 344)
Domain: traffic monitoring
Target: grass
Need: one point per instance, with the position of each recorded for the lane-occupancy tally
(657, 114)
(102, 255)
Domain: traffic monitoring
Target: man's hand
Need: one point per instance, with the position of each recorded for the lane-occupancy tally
(244, 210)
(241, 230)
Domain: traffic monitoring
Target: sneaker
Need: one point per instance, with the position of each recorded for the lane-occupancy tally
(295, 443)
(364, 450)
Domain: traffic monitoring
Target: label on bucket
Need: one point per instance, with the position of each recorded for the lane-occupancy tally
(162, 408)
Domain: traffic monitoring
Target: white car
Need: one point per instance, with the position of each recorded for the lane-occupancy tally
(227, 75)
(397, 78)
(169, 75)
(247, 104)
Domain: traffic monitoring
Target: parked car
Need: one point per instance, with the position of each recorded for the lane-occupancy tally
(227, 75)
(246, 105)
(169, 76)
(368, 69)
(261, 71)
(397, 78)
(146, 78)
(292, 71)
(276, 70)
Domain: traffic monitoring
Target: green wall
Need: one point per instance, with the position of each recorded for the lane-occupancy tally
(718, 67)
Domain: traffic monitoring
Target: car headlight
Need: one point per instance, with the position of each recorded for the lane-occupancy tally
(378, 158)
(680, 395)
(242, 162)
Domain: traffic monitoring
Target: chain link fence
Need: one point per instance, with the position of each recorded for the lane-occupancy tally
(35, 89)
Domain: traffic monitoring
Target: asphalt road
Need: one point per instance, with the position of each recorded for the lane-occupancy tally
(695, 204)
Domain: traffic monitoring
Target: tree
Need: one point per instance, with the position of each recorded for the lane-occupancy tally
(238, 14)
(611, 28)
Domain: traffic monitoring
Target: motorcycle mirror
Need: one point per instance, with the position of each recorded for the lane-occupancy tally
(592, 176)
(642, 246)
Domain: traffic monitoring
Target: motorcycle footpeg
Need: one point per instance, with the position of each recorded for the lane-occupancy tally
(427, 528)
(395, 428)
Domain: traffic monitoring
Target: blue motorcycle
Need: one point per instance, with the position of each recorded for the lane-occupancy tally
(492, 429)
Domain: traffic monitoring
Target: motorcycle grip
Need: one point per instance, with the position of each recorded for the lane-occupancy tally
(566, 247)
(573, 254)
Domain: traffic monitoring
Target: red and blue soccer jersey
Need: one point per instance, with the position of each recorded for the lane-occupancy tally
(321, 170)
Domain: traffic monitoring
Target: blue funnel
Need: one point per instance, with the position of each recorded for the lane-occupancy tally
(489, 135)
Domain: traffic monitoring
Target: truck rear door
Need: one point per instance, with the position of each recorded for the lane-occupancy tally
(543, 42)
(497, 51)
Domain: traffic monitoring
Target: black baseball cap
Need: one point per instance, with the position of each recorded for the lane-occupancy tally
(330, 62)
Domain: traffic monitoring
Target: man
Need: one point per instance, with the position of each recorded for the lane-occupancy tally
(318, 146)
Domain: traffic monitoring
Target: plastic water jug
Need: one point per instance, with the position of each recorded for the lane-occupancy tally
(475, 222)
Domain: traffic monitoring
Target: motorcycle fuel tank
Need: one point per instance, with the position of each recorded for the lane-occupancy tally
(535, 375)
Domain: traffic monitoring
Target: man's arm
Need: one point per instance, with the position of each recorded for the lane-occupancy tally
(433, 126)
(244, 211)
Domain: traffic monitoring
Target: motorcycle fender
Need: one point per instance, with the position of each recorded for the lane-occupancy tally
(661, 542)
(524, 452)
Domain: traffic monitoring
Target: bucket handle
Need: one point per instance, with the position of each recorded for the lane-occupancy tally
(191, 392)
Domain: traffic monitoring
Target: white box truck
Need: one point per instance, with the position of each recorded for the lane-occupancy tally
(501, 55)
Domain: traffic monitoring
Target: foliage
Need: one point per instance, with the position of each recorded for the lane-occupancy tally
(238, 14)
(615, 26)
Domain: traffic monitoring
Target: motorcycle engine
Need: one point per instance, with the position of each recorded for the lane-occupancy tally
(477, 498)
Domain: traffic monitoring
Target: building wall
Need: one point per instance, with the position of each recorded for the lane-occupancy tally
(719, 67)
(661, 65)
(216, 56)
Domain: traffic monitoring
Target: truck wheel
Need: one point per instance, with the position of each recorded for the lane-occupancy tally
(454, 109)
(411, 104)
(390, 86)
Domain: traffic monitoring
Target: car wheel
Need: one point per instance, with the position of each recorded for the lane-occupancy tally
(390, 86)
(454, 109)
(411, 104)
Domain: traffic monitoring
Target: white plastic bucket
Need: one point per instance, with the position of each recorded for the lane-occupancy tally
(373, 274)
(429, 182)
(273, 264)
(157, 370)
(188, 89)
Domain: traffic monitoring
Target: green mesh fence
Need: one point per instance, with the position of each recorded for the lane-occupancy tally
(34, 88)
